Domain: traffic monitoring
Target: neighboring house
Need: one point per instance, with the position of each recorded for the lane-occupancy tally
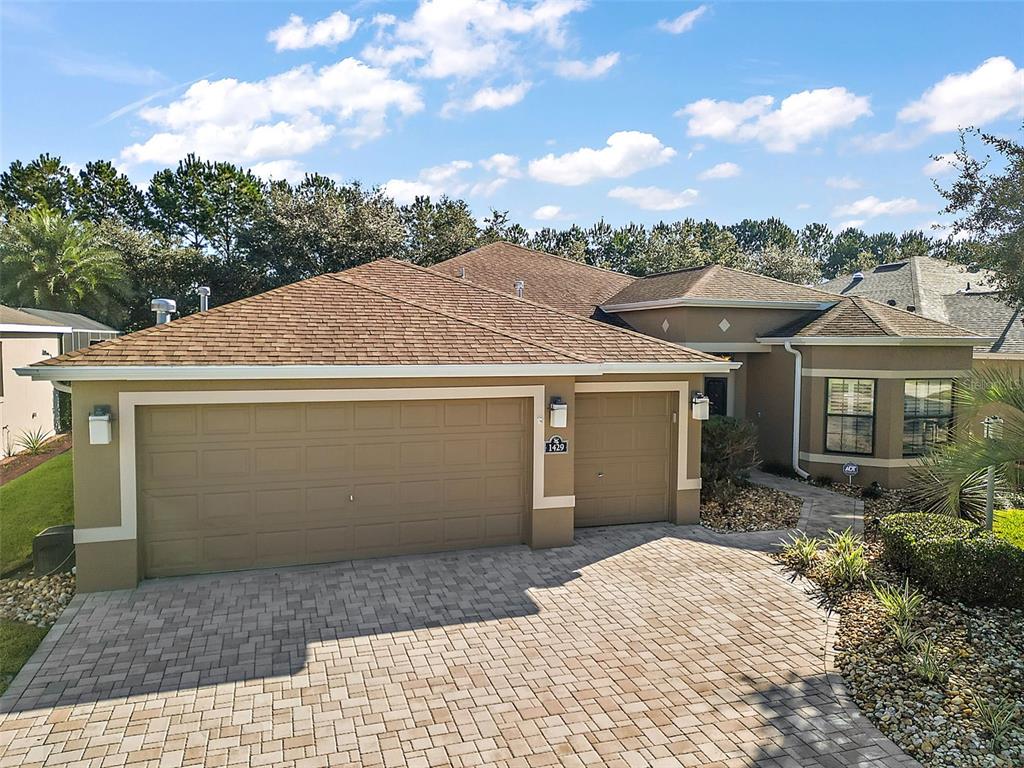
(26, 335)
(387, 409)
(948, 292)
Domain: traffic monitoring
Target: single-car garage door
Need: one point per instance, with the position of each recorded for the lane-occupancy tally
(225, 487)
(623, 457)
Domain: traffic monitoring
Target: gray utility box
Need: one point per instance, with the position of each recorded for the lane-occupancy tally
(53, 550)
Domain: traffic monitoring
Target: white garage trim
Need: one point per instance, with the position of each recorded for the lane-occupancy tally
(683, 483)
(127, 402)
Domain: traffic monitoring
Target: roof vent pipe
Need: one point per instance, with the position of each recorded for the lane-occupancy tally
(858, 276)
(462, 272)
(520, 288)
(204, 297)
(164, 308)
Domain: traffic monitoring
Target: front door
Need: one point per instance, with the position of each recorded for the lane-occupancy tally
(717, 390)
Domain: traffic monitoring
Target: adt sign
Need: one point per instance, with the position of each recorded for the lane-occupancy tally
(850, 469)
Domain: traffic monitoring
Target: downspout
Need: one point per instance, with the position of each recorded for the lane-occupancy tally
(797, 376)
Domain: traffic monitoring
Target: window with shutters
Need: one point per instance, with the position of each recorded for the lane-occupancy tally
(850, 416)
(927, 414)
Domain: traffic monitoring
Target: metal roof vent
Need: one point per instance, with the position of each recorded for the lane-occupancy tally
(911, 308)
(462, 272)
(858, 276)
(204, 297)
(164, 308)
(520, 288)
(891, 302)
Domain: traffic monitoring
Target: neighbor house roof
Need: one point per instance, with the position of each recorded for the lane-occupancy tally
(387, 313)
(713, 285)
(944, 291)
(857, 317)
(14, 320)
(71, 319)
(551, 280)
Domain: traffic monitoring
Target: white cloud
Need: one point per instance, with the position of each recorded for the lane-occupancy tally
(994, 89)
(547, 212)
(655, 198)
(281, 116)
(502, 164)
(489, 98)
(467, 38)
(684, 22)
(871, 206)
(582, 70)
(940, 165)
(802, 206)
(296, 34)
(288, 170)
(843, 182)
(383, 56)
(625, 153)
(487, 188)
(851, 224)
(111, 70)
(720, 171)
(437, 180)
(800, 117)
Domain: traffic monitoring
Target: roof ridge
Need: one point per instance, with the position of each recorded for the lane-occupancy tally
(395, 297)
(825, 294)
(543, 253)
(1006, 331)
(916, 315)
(591, 321)
(875, 316)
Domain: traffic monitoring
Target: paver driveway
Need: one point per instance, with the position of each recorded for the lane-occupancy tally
(642, 645)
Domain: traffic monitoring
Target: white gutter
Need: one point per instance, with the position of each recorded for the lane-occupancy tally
(25, 328)
(636, 306)
(797, 380)
(879, 341)
(240, 372)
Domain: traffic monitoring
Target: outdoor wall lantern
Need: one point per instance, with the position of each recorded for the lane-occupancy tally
(701, 405)
(559, 412)
(99, 425)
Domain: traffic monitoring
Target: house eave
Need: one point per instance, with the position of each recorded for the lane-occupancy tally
(637, 306)
(876, 341)
(48, 330)
(278, 372)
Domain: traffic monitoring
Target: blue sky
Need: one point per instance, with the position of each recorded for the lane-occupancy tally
(557, 110)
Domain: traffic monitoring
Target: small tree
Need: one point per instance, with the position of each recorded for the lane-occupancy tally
(728, 454)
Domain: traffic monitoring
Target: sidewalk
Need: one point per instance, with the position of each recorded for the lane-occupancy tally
(823, 510)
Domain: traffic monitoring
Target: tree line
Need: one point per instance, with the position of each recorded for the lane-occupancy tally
(95, 243)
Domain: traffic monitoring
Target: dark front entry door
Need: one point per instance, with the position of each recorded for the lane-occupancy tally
(717, 390)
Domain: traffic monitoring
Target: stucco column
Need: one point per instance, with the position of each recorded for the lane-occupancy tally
(553, 526)
(687, 506)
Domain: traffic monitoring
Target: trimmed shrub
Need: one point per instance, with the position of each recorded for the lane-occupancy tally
(954, 557)
(728, 454)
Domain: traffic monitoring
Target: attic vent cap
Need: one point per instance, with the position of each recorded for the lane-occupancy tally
(858, 276)
(164, 308)
(204, 297)
(520, 286)
(911, 308)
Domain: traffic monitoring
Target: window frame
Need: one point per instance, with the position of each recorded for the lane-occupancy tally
(951, 417)
(873, 416)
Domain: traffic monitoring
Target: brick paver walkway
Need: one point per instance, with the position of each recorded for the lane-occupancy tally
(823, 510)
(639, 646)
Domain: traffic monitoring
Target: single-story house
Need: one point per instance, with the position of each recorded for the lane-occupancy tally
(386, 409)
(503, 396)
(26, 335)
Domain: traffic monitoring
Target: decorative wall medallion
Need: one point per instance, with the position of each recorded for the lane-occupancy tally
(725, 325)
(664, 325)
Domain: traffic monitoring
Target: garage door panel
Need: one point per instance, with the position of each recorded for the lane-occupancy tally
(314, 482)
(285, 459)
(329, 417)
(623, 455)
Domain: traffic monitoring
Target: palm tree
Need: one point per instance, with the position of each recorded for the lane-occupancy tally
(952, 479)
(50, 261)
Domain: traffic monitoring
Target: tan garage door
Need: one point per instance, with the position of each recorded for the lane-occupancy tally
(225, 487)
(623, 457)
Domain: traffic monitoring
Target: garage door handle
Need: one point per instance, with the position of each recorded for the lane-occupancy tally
(600, 474)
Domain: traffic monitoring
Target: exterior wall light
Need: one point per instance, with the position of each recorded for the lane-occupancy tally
(559, 412)
(99, 425)
(701, 406)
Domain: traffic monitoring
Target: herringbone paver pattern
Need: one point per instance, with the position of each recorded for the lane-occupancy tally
(639, 646)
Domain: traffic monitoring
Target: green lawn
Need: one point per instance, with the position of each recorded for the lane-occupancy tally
(1009, 524)
(17, 642)
(36, 500)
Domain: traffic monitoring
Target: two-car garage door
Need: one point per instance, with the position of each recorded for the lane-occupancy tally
(225, 487)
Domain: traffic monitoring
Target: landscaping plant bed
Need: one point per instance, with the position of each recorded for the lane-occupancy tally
(37, 601)
(753, 508)
(930, 685)
(17, 465)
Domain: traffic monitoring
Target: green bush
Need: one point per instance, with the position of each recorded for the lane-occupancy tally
(1009, 525)
(728, 454)
(955, 558)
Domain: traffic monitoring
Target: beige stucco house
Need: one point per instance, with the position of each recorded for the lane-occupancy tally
(504, 396)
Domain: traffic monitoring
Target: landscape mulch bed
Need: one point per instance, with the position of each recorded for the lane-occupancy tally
(754, 508)
(20, 463)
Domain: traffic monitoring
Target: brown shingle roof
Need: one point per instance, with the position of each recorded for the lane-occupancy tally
(714, 282)
(385, 313)
(857, 316)
(551, 280)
